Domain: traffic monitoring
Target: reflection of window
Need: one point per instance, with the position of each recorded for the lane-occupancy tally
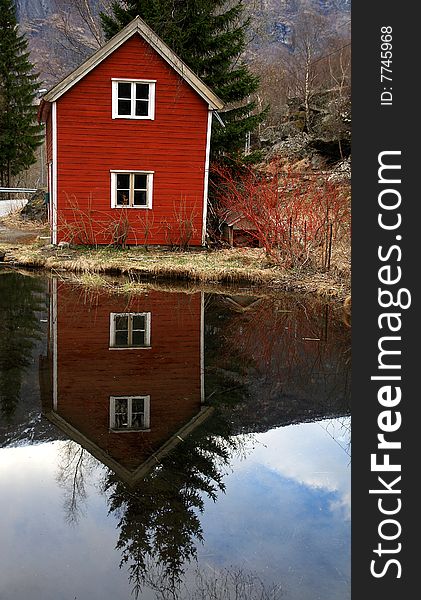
(131, 189)
(133, 99)
(129, 412)
(130, 330)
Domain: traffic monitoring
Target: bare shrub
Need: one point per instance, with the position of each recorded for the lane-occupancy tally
(118, 229)
(91, 227)
(148, 225)
(180, 230)
(81, 228)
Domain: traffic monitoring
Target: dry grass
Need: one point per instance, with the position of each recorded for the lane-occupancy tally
(248, 266)
(13, 220)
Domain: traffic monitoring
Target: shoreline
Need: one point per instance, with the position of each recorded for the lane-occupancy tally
(229, 267)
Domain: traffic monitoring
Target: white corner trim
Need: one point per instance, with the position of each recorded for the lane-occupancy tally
(53, 330)
(206, 177)
(202, 347)
(53, 190)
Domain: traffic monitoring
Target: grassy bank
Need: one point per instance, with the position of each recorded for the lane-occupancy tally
(241, 266)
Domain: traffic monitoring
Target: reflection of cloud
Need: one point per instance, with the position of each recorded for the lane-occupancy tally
(313, 454)
(285, 514)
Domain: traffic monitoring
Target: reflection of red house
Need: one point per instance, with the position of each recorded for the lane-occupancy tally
(126, 374)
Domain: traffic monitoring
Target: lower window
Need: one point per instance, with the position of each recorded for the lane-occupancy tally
(129, 413)
(131, 189)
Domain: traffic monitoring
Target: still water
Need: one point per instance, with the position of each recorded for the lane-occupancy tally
(172, 445)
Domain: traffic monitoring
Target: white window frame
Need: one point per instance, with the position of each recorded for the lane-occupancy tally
(151, 104)
(147, 413)
(130, 316)
(149, 188)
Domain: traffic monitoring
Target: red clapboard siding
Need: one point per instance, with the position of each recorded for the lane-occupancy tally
(90, 144)
(169, 371)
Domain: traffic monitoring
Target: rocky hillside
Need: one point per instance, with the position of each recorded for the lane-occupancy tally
(59, 39)
(274, 21)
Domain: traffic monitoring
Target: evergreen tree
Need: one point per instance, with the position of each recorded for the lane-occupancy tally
(19, 132)
(210, 38)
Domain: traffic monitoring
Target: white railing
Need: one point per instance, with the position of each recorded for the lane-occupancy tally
(17, 190)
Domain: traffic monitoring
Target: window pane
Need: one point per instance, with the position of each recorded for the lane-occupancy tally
(121, 413)
(123, 181)
(140, 182)
(121, 338)
(121, 405)
(139, 322)
(138, 338)
(138, 405)
(124, 107)
(124, 90)
(122, 197)
(140, 198)
(120, 421)
(142, 108)
(138, 413)
(142, 91)
(121, 322)
(138, 421)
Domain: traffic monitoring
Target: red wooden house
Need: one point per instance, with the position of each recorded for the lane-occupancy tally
(128, 139)
(124, 376)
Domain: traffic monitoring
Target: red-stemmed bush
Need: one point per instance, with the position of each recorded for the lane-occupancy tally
(295, 217)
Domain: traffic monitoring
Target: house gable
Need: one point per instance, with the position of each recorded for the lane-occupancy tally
(137, 26)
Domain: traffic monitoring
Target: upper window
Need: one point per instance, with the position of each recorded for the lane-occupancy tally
(130, 330)
(133, 99)
(131, 189)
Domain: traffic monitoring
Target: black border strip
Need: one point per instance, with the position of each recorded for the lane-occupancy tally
(391, 126)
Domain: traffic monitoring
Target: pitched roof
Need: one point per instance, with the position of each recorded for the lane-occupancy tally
(129, 476)
(140, 27)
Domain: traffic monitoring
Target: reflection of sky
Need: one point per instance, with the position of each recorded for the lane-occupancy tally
(41, 556)
(285, 517)
(285, 514)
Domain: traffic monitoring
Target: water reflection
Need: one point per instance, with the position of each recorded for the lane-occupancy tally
(155, 425)
(286, 512)
(279, 360)
(125, 395)
(160, 524)
(21, 302)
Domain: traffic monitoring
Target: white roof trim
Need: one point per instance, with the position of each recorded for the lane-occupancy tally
(140, 27)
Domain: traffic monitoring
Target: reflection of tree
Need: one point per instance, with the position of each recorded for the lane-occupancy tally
(340, 432)
(75, 469)
(159, 520)
(20, 300)
(231, 584)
